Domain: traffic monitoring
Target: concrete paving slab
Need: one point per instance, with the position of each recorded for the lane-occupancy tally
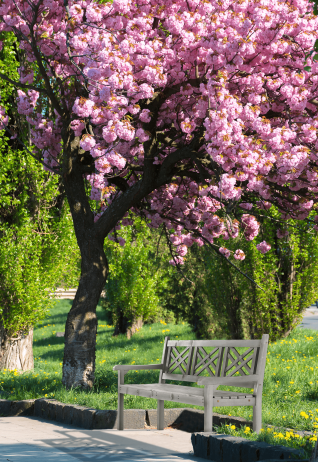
(309, 322)
(312, 310)
(30, 439)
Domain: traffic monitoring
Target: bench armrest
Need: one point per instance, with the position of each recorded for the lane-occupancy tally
(133, 367)
(231, 381)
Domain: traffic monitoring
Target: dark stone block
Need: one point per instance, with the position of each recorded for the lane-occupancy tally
(216, 449)
(225, 448)
(271, 452)
(182, 419)
(22, 408)
(68, 414)
(59, 411)
(83, 417)
(188, 420)
(249, 451)
(88, 418)
(40, 408)
(291, 453)
(105, 419)
(46, 408)
(201, 445)
(278, 452)
(231, 449)
(5, 407)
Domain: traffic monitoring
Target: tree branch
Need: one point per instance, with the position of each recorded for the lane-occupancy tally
(22, 85)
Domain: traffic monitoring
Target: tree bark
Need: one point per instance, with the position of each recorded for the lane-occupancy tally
(126, 326)
(16, 352)
(81, 324)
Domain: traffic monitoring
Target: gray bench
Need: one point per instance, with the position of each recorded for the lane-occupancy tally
(187, 361)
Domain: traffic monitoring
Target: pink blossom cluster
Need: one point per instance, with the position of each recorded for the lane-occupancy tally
(219, 87)
(263, 247)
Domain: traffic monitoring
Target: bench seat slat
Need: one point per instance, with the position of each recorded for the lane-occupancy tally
(184, 394)
(178, 394)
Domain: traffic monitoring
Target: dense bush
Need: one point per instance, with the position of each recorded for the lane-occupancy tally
(220, 302)
(137, 281)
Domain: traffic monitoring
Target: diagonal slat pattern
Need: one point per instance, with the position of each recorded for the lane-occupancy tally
(204, 361)
(179, 360)
(235, 362)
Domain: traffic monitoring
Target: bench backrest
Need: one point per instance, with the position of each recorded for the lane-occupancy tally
(187, 360)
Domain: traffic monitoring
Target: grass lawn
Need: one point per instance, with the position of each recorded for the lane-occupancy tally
(290, 396)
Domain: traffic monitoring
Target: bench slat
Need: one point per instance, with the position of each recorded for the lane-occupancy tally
(234, 402)
(215, 343)
(188, 395)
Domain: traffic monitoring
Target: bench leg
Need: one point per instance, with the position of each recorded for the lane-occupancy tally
(160, 414)
(257, 413)
(120, 411)
(208, 408)
(120, 421)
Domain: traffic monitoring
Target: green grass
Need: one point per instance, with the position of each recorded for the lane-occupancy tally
(290, 396)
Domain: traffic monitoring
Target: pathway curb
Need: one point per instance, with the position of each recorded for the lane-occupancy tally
(225, 448)
(185, 419)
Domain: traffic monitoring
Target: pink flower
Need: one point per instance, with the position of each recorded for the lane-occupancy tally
(142, 135)
(109, 133)
(246, 205)
(115, 159)
(182, 250)
(239, 254)
(145, 115)
(225, 252)
(78, 126)
(187, 125)
(3, 118)
(87, 142)
(176, 261)
(83, 107)
(263, 247)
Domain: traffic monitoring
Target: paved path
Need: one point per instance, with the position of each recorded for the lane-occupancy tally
(30, 439)
(310, 319)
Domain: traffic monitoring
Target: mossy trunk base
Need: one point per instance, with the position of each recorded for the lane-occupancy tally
(16, 352)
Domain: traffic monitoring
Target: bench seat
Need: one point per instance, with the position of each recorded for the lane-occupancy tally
(186, 394)
(210, 363)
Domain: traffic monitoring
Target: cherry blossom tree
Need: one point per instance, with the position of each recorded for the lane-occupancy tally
(196, 114)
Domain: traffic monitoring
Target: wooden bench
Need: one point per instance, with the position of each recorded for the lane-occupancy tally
(187, 361)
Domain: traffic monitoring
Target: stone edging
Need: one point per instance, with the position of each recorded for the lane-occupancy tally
(224, 448)
(189, 420)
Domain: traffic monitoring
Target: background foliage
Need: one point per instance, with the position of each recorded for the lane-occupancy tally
(220, 302)
(37, 244)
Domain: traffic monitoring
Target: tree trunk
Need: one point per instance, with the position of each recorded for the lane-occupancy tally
(81, 324)
(16, 352)
(126, 326)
